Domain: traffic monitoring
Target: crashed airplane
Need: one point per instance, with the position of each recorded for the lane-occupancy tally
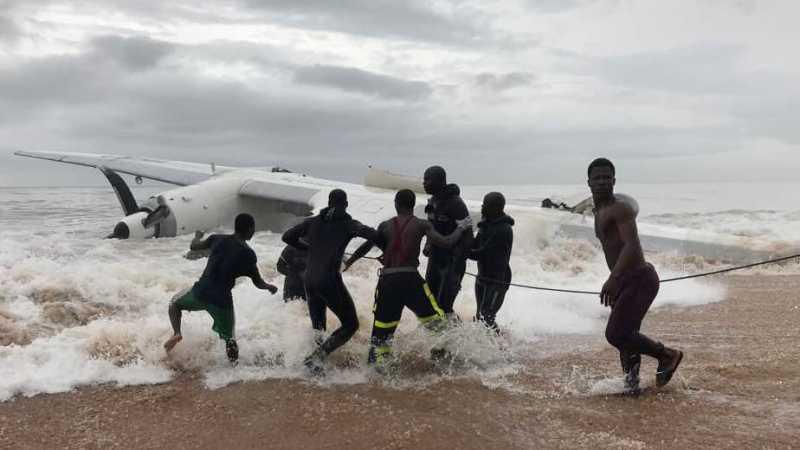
(209, 195)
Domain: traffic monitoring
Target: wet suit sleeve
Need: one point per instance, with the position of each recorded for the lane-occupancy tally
(363, 231)
(499, 244)
(292, 236)
(476, 250)
(373, 238)
(457, 210)
(441, 241)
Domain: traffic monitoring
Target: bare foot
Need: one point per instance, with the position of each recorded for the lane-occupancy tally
(171, 342)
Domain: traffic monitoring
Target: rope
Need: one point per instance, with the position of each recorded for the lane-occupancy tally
(686, 277)
(731, 269)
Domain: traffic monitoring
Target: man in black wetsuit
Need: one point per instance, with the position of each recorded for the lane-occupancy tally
(492, 250)
(292, 265)
(446, 267)
(400, 284)
(328, 235)
(633, 283)
(230, 257)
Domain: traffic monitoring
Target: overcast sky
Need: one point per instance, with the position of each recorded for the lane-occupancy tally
(498, 92)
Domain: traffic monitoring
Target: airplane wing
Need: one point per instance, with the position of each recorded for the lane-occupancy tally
(173, 172)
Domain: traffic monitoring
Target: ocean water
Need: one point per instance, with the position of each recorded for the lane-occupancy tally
(77, 309)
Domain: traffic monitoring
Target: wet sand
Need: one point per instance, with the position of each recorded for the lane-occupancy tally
(738, 387)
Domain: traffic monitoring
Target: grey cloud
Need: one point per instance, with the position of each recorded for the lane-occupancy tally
(556, 6)
(176, 115)
(29, 85)
(450, 22)
(502, 82)
(136, 53)
(412, 19)
(762, 102)
(60, 79)
(351, 79)
(698, 69)
(9, 30)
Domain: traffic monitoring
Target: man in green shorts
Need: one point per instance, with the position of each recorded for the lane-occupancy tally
(229, 259)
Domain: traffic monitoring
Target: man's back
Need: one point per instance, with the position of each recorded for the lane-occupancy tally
(328, 234)
(230, 258)
(400, 239)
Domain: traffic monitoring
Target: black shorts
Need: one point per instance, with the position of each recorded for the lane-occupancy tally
(398, 290)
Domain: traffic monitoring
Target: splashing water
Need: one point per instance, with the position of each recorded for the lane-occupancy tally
(76, 309)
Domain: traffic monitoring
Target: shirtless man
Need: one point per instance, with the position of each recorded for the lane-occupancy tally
(633, 283)
(400, 284)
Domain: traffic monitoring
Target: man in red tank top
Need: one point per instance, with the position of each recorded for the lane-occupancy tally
(400, 284)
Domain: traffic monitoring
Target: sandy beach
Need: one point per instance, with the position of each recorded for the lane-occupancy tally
(738, 387)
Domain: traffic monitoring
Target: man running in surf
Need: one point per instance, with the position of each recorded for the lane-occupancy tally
(446, 266)
(230, 257)
(328, 234)
(633, 283)
(400, 284)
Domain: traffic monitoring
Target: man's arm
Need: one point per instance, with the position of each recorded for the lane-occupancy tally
(259, 282)
(372, 236)
(358, 254)
(500, 238)
(624, 217)
(437, 239)
(459, 211)
(363, 231)
(292, 236)
(198, 243)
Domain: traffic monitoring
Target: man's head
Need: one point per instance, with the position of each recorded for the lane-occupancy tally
(493, 204)
(337, 199)
(434, 180)
(245, 226)
(601, 174)
(405, 200)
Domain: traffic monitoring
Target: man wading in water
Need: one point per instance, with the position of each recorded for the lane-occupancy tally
(400, 284)
(230, 257)
(633, 283)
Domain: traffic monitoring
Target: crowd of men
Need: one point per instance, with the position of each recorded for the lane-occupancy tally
(312, 263)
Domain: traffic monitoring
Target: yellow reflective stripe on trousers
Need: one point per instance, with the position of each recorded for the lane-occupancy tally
(382, 350)
(379, 324)
(424, 320)
(432, 299)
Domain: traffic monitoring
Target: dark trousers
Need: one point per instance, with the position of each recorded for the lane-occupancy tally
(638, 289)
(489, 298)
(396, 291)
(334, 296)
(444, 278)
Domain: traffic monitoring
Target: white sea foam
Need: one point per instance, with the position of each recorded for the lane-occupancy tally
(76, 309)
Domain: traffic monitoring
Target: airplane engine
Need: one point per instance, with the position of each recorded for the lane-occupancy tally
(184, 210)
(132, 227)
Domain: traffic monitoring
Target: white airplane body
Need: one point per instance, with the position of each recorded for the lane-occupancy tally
(209, 196)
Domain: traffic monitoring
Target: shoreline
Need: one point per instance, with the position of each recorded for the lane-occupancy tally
(738, 387)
